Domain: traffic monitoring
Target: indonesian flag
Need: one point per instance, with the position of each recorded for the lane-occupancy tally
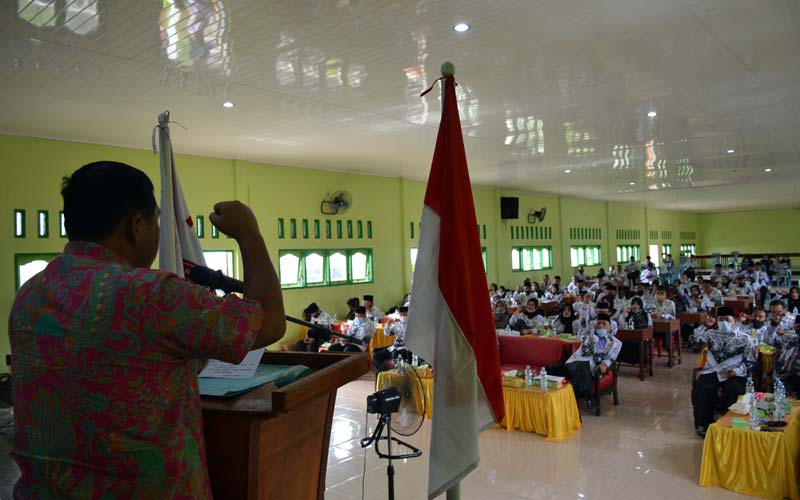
(179, 248)
(451, 323)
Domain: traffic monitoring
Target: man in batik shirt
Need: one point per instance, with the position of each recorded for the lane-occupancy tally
(105, 349)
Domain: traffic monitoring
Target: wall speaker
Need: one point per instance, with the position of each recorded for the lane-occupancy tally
(509, 208)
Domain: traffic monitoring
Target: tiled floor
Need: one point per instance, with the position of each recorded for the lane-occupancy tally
(644, 448)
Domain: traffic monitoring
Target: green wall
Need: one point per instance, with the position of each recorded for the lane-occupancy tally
(32, 169)
(762, 231)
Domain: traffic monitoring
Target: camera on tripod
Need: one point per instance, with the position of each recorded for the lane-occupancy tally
(384, 401)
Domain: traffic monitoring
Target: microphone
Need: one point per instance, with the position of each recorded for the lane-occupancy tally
(204, 276)
(215, 280)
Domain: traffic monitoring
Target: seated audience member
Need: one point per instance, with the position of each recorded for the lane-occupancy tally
(634, 316)
(732, 272)
(362, 328)
(663, 308)
(730, 358)
(725, 285)
(683, 285)
(546, 282)
(557, 282)
(526, 293)
(564, 321)
(681, 300)
(502, 294)
(501, 316)
(742, 287)
(613, 314)
(648, 275)
(314, 338)
(584, 307)
(697, 302)
(580, 275)
(597, 286)
(352, 304)
(787, 366)
(383, 357)
(669, 268)
(537, 290)
(373, 313)
(760, 277)
(757, 328)
(554, 293)
(717, 274)
(792, 300)
(528, 319)
(492, 291)
(691, 267)
(779, 321)
(597, 354)
(573, 286)
(601, 275)
(712, 294)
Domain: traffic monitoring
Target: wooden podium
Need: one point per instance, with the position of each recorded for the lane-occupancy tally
(272, 443)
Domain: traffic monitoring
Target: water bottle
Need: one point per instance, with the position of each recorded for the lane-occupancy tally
(414, 360)
(780, 400)
(528, 376)
(755, 423)
(543, 378)
(750, 387)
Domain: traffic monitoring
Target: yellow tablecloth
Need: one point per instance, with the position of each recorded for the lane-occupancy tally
(762, 464)
(391, 377)
(380, 339)
(552, 413)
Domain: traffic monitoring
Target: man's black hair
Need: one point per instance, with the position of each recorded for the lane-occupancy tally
(100, 195)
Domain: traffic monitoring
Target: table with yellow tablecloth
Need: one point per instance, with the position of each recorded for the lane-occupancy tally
(763, 464)
(552, 413)
(423, 384)
(380, 339)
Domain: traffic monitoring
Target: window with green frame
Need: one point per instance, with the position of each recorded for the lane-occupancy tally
(412, 254)
(689, 249)
(26, 265)
(312, 268)
(625, 252)
(220, 260)
(584, 255)
(666, 249)
(531, 258)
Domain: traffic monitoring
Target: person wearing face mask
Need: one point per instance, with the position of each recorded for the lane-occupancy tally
(395, 327)
(597, 354)
(501, 316)
(528, 319)
(565, 320)
(758, 328)
(730, 358)
(361, 328)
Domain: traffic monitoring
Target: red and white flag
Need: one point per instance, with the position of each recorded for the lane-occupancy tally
(450, 322)
(179, 246)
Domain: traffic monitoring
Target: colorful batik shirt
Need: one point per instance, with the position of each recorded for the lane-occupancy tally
(106, 401)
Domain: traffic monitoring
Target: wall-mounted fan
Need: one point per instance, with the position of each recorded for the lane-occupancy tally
(537, 216)
(337, 203)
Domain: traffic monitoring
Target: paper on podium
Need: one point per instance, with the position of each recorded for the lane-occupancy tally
(229, 387)
(245, 369)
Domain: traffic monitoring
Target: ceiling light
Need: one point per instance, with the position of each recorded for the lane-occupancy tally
(567, 171)
(228, 104)
(767, 170)
(461, 27)
(731, 151)
(632, 183)
(652, 114)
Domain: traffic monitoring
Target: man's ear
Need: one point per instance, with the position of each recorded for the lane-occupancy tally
(134, 227)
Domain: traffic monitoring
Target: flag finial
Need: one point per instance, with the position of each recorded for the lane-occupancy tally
(448, 69)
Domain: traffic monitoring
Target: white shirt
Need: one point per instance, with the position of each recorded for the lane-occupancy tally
(323, 319)
(605, 350)
(362, 329)
(374, 313)
(666, 310)
(726, 351)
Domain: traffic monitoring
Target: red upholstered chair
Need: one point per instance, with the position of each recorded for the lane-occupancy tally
(607, 383)
(516, 352)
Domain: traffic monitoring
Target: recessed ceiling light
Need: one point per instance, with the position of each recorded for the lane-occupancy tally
(652, 114)
(461, 27)
(731, 151)
(228, 104)
(633, 183)
(567, 171)
(767, 170)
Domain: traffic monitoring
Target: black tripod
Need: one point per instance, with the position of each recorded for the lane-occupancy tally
(385, 421)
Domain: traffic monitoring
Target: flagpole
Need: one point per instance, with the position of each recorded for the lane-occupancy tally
(454, 493)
